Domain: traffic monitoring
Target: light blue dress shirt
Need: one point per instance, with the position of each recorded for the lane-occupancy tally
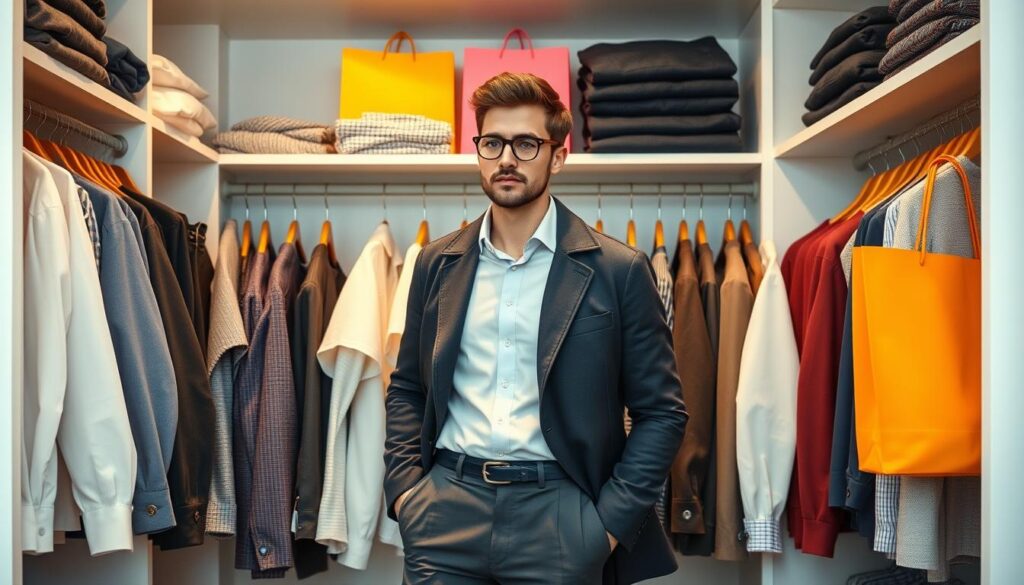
(494, 411)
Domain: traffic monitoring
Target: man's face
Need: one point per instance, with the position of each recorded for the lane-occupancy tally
(511, 182)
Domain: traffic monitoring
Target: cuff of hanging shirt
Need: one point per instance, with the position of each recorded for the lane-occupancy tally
(687, 516)
(152, 511)
(356, 554)
(108, 529)
(189, 529)
(763, 535)
(860, 491)
(36, 529)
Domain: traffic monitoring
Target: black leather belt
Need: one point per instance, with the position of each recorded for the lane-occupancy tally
(502, 472)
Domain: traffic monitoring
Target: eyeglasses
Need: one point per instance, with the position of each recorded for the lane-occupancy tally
(525, 148)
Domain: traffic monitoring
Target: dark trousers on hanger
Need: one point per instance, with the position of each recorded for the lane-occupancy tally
(459, 530)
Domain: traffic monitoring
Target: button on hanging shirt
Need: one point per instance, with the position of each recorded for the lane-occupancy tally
(494, 412)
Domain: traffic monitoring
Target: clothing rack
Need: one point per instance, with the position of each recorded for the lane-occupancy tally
(116, 145)
(458, 189)
(937, 124)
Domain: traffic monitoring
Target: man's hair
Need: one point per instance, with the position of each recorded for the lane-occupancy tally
(508, 90)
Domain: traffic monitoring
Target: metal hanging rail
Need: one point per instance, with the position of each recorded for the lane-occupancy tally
(115, 144)
(459, 189)
(961, 115)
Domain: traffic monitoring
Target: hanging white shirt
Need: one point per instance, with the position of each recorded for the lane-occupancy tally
(766, 409)
(72, 391)
(353, 355)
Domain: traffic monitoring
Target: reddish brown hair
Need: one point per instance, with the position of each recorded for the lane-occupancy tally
(509, 90)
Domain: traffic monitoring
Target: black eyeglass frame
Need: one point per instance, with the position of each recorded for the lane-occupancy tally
(510, 142)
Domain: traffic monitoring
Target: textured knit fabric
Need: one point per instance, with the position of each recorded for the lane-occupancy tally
(663, 281)
(935, 10)
(90, 223)
(654, 90)
(870, 38)
(266, 432)
(69, 56)
(610, 63)
(83, 15)
(737, 302)
(227, 343)
(42, 16)
(396, 133)
(241, 141)
(856, 68)
(890, 576)
(859, 21)
(128, 73)
(660, 107)
(191, 464)
(143, 361)
(853, 92)
(729, 142)
(597, 128)
(294, 128)
(924, 40)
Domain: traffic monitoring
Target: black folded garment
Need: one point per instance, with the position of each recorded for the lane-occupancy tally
(660, 107)
(853, 92)
(852, 70)
(864, 18)
(596, 127)
(128, 73)
(871, 38)
(658, 143)
(651, 90)
(609, 63)
(83, 15)
(76, 60)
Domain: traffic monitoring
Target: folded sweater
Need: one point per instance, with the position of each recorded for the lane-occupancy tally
(76, 60)
(870, 38)
(598, 127)
(647, 90)
(854, 69)
(934, 11)
(863, 19)
(606, 63)
(64, 29)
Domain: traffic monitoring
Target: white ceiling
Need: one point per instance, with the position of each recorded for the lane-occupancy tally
(374, 19)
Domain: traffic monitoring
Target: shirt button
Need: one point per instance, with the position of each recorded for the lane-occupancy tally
(42, 532)
(514, 268)
(263, 551)
(508, 343)
(196, 516)
(151, 510)
(687, 514)
(508, 303)
(504, 384)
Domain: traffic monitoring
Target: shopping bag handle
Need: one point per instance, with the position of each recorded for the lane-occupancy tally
(921, 242)
(524, 41)
(401, 36)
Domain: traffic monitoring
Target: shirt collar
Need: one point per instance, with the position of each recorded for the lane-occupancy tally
(545, 234)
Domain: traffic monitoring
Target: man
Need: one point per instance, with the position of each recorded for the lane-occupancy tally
(527, 334)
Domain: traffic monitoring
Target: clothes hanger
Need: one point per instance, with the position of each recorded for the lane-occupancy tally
(659, 229)
(384, 204)
(423, 234)
(264, 240)
(327, 232)
(684, 230)
(702, 232)
(746, 234)
(599, 226)
(246, 244)
(631, 226)
(465, 210)
(294, 235)
(729, 232)
(29, 140)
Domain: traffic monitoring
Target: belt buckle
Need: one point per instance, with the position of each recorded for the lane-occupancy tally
(487, 475)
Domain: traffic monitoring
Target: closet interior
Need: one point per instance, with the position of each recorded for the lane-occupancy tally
(283, 59)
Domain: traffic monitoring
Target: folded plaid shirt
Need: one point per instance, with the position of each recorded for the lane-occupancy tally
(393, 133)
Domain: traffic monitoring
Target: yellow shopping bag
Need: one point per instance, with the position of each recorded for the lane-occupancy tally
(398, 83)
(917, 375)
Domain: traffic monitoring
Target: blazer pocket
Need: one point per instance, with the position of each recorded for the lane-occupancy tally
(591, 323)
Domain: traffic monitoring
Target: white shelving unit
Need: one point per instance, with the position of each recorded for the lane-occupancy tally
(247, 54)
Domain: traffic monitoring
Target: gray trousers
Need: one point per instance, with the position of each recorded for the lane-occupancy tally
(464, 531)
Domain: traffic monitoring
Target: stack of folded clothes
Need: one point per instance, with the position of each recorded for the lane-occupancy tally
(659, 96)
(73, 32)
(925, 25)
(276, 135)
(175, 99)
(847, 65)
(378, 133)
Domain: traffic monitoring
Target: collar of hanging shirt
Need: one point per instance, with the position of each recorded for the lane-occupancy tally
(494, 410)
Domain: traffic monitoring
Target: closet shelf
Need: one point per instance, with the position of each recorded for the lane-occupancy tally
(54, 84)
(404, 168)
(948, 76)
(172, 146)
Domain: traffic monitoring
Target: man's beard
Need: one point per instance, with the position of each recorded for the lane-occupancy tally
(507, 200)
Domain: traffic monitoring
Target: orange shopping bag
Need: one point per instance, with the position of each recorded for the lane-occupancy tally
(398, 83)
(917, 373)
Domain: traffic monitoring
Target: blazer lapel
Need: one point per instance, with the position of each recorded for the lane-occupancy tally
(567, 283)
(456, 274)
